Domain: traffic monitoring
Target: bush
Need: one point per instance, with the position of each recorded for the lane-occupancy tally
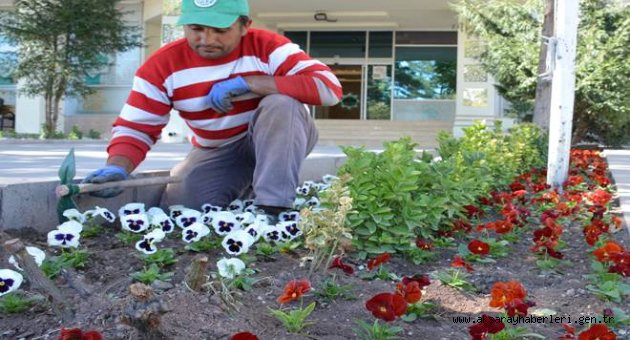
(94, 134)
(75, 133)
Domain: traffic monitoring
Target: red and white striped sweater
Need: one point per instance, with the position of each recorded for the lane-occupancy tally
(175, 77)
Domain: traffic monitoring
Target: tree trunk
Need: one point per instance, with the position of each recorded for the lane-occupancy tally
(542, 106)
(51, 124)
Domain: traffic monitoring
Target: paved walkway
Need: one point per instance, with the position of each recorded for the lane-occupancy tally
(619, 165)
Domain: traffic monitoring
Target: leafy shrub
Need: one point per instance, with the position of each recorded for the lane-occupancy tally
(75, 133)
(382, 188)
(94, 134)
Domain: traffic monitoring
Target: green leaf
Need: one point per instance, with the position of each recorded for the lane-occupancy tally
(67, 170)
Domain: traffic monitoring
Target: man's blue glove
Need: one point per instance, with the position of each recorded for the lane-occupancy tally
(108, 173)
(221, 93)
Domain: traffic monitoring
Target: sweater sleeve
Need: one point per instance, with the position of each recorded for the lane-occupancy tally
(141, 119)
(299, 76)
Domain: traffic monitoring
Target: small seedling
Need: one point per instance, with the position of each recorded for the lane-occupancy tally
(15, 303)
(92, 230)
(419, 256)
(330, 290)
(148, 275)
(376, 331)
(456, 279)
(128, 238)
(423, 310)
(75, 258)
(295, 320)
(162, 258)
(265, 250)
(52, 267)
(204, 245)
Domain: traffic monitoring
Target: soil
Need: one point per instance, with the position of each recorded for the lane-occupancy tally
(200, 315)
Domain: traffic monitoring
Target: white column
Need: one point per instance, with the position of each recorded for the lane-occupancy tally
(562, 92)
(30, 112)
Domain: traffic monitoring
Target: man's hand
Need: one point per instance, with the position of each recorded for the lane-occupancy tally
(109, 173)
(221, 93)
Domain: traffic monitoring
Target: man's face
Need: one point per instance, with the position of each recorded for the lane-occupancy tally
(213, 43)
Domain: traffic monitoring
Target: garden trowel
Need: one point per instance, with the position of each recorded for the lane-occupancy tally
(67, 189)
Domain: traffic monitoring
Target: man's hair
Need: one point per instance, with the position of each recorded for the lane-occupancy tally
(243, 19)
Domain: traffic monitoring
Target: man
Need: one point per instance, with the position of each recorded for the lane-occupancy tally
(242, 92)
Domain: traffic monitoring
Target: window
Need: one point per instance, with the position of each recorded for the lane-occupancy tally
(299, 38)
(380, 45)
(338, 44)
(425, 73)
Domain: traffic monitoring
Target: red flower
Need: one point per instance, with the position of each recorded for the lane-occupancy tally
(604, 252)
(337, 263)
(424, 244)
(597, 332)
(460, 262)
(294, 290)
(517, 307)
(502, 293)
(377, 261)
(600, 197)
(473, 211)
(462, 225)
(78, 334)
(387, 306)
(503, 227)
(410, 291)
(244, 336)
(423, 280)
(621, 264)
(488, 325)
(570, 332)
(478, 247)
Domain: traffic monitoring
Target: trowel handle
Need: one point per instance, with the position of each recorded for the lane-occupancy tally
(64, 190)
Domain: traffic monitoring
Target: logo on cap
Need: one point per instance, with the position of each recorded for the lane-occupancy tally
(205, 3)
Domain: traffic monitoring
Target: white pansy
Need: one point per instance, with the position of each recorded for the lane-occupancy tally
(272, 234)
(246, 218)
(236, 206)
(251, 208)
(229, 268)
(37, 254)
(289, 216)
(147, 244)
(131, 209)
(328, 179)
(64, 239)
(175, 210)
(163, 222)
(188, 217)
(10, 280)
(247, 203)
(156, 234)
(136, 223)
(74, 215)
(207, 208)
(225, 222)
(237, 242)
(312, 202)
(105, 213)
(298, 202)
(291, 228)
(208, 218)
(194, 232)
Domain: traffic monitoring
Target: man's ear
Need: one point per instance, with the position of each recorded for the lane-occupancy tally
(246, 27)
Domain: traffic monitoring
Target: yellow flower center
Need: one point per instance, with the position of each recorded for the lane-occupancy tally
(382, 309)
(479, 248)
(294, 295)
(1, 283)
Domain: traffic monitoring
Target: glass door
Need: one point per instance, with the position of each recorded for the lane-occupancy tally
(351, 79)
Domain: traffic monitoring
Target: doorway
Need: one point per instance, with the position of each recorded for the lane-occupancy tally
(351, 79)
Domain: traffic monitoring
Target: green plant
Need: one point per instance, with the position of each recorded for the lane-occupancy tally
(382, 273)
(15, 303)
(419, 256)
(148, 275)
(128, 238)
(455, 278)
(330, 290)
(376, 331)
(75, 258)
(382, 187)
(52, 267)
(325, 230)
(93, 134)
(162, 258)
(92, 230)
(425, 310)
(204, 245)
(294, 320)
(515, 333)
(265, 250)
(607, 286)
(75, 133)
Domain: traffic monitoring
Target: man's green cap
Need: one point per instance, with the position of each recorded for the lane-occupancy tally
(213, 13)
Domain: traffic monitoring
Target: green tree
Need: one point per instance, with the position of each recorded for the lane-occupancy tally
(60, 42)
(511, 30)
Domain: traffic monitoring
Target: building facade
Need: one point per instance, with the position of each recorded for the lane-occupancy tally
(405, 66)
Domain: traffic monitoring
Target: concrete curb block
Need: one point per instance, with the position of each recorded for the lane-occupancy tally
(34, 205)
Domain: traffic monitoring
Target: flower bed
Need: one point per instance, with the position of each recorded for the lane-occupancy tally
(555, 263)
